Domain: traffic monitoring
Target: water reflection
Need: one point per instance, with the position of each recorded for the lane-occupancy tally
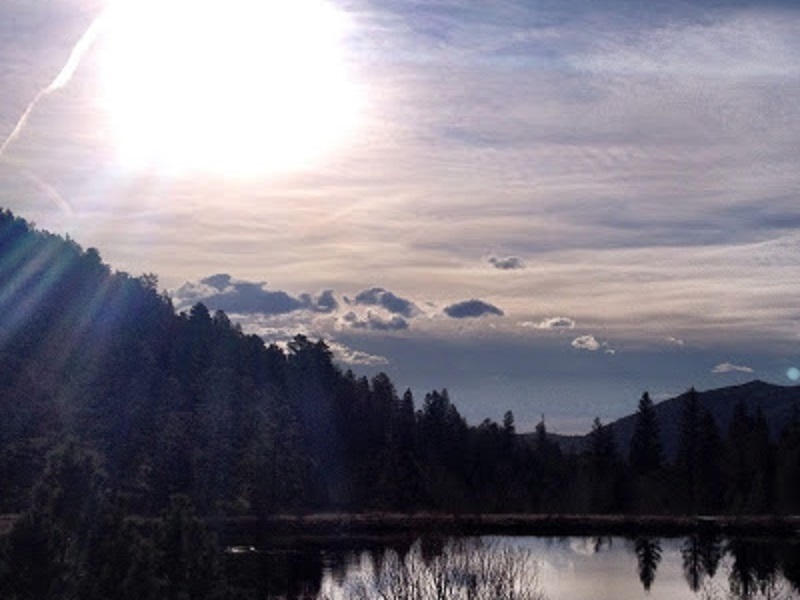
(754, 570)
(705, 567)
(648, 555)
(466, 569)
(701, 554)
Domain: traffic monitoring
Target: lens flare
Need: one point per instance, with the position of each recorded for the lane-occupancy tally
(793, 373)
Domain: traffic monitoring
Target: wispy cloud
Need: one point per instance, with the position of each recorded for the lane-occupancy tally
(765, 45)
(727, 367)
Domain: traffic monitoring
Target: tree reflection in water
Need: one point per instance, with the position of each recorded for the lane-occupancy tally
(465, 569)
(648, 555)
(777, 590)
(701, 554)
(754, 567)
(711, 567)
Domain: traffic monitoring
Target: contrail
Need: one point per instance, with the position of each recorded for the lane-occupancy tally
(62, 79)
(50, 191)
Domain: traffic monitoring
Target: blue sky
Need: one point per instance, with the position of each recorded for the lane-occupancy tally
(543, 206)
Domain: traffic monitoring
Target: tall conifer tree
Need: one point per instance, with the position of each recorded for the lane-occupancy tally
(646, 452)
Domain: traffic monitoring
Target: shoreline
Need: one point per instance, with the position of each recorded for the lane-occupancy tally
(348, 525)
(387, 524)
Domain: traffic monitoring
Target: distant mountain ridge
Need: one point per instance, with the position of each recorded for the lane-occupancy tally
(776, 402)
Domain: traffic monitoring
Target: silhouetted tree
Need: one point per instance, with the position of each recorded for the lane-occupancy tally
(646, 453)
(604, 469)
(689, 460)
(548, 476)
(710, 484)
(787, 468)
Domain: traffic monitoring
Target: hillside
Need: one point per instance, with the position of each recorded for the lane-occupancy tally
(189, 404)
(777, 403)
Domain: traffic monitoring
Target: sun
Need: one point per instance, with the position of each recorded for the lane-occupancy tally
(229, 87)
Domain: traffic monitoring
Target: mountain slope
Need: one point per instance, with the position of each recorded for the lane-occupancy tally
(776, 402)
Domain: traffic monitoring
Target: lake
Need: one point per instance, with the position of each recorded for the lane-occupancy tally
(707, 567)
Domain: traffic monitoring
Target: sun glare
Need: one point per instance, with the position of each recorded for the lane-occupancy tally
(231, 87)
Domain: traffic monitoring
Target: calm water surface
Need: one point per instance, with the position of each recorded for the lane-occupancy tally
(572, 568)
(662, 569)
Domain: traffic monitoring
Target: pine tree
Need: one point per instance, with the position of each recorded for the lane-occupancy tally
(604, 472)
(646, 452)
(689, 449)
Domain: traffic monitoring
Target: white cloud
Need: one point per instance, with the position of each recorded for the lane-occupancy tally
(676, 341)
(552, 323)
(727, 367)
(350, 356)
(586, 342)
(280, 329)
(592, 344)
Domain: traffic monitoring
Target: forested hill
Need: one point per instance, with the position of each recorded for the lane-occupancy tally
(104, 387)
(775, 403)
(187, 403)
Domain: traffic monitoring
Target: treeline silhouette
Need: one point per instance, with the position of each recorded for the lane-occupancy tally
(189, 404)
(97, 366)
